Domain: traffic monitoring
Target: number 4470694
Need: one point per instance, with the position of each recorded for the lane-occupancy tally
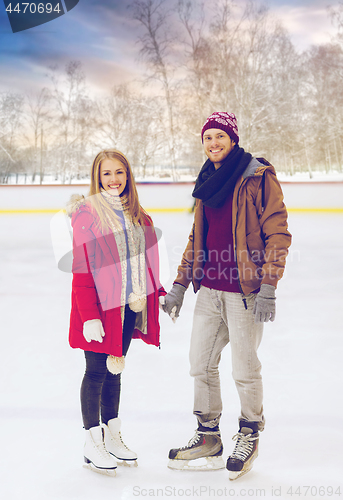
(32, 8)
(314, 491)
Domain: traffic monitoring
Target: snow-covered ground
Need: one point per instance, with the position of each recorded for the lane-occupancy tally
(161, 176)
(41, 432)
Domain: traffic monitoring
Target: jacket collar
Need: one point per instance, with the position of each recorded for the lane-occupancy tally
(256, 167)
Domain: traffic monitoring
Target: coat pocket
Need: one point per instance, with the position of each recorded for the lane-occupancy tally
(256, 249)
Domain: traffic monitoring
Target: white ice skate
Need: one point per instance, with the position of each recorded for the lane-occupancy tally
(115, 445)
(97, 458)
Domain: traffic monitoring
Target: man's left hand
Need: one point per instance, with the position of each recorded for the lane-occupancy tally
(264, 306)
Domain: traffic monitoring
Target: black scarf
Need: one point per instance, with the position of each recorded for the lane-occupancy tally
(214, 186)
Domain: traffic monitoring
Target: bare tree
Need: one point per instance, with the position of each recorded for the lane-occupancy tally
(148, 132)
(37, 118)
(73, 118)
(11, 114)
(115, 115)
(131, 123)
(197, 85)
(197, 52)
(336, 15)
(155, 50)
(245, 63)
(325, 128)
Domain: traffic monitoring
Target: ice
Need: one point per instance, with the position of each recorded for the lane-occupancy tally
(301, 353)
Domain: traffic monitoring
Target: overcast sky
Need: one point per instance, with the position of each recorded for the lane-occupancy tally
(102, 35)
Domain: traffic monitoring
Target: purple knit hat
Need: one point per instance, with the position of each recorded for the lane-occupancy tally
(224, 121)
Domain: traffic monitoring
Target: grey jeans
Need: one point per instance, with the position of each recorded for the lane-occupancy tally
(219, 318)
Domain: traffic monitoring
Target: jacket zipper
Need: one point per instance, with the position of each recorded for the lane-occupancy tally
(236, 260)
(263, 202)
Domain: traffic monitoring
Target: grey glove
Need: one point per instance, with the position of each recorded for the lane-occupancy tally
(264, 306)
(173, 300)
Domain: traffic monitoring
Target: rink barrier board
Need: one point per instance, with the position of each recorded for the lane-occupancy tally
(164, 210)
(164, 198)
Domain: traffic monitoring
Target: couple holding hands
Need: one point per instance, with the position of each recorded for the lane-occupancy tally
(234, 257)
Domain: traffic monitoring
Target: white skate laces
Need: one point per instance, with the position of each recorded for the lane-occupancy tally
(101, 450)
(119, 441)
(244, 446)
(197, 436)
(194, 440)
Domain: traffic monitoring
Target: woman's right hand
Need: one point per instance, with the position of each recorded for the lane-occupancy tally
(93, 330)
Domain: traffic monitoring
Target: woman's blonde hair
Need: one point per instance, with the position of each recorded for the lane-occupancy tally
(98, 202)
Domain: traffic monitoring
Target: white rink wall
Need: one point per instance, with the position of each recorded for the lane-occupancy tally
(164, 196)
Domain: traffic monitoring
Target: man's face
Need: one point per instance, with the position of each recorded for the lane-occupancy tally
(217, 145)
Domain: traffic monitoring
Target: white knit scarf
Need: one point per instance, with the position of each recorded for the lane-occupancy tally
(136, 242)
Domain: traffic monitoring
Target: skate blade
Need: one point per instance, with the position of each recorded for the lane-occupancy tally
(127, 463)
(236, 474)
(104, 472)
(248, 466)
(204, 463)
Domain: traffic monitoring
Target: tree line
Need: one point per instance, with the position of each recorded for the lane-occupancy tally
(289, 104)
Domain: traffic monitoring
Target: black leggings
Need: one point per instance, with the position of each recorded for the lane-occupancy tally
(100, 389)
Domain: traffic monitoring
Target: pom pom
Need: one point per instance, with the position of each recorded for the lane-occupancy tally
(114, 364)
(137, 302)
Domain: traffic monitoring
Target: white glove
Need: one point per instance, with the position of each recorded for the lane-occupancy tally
(93, 330)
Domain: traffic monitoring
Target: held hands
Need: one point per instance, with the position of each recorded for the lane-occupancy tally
(264, 306)
(93, 330)
(172, 302)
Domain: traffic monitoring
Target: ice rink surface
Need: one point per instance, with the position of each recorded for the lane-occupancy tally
(301, 353)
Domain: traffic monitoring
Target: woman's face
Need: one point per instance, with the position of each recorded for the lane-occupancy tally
(113, 177)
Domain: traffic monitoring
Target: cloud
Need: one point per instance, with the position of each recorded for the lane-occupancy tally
(307, 24)
(99, 34)
(102, 36)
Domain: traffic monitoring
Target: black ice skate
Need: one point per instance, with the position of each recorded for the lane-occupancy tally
(245, 452)
(203, 452)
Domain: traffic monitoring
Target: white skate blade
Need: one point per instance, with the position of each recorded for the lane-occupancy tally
(204, 463)
(236, 474)
(104, 472)
(126, 463)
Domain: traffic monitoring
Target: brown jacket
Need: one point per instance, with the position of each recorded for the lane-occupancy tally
(260, 235)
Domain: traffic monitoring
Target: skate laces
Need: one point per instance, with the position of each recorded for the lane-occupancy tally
(101, 449)
(119, 440)
(244, 445)
(197, 436)
(194, 440)
(122, 442)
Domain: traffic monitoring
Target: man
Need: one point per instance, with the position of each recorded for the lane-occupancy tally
(234, 258)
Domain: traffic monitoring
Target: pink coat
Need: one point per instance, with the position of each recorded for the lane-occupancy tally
(97, 282)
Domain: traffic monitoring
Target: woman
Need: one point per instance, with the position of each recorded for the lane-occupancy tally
(115, 292)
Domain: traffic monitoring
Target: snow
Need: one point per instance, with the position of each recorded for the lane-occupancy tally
(162, 176)
(41, 429)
